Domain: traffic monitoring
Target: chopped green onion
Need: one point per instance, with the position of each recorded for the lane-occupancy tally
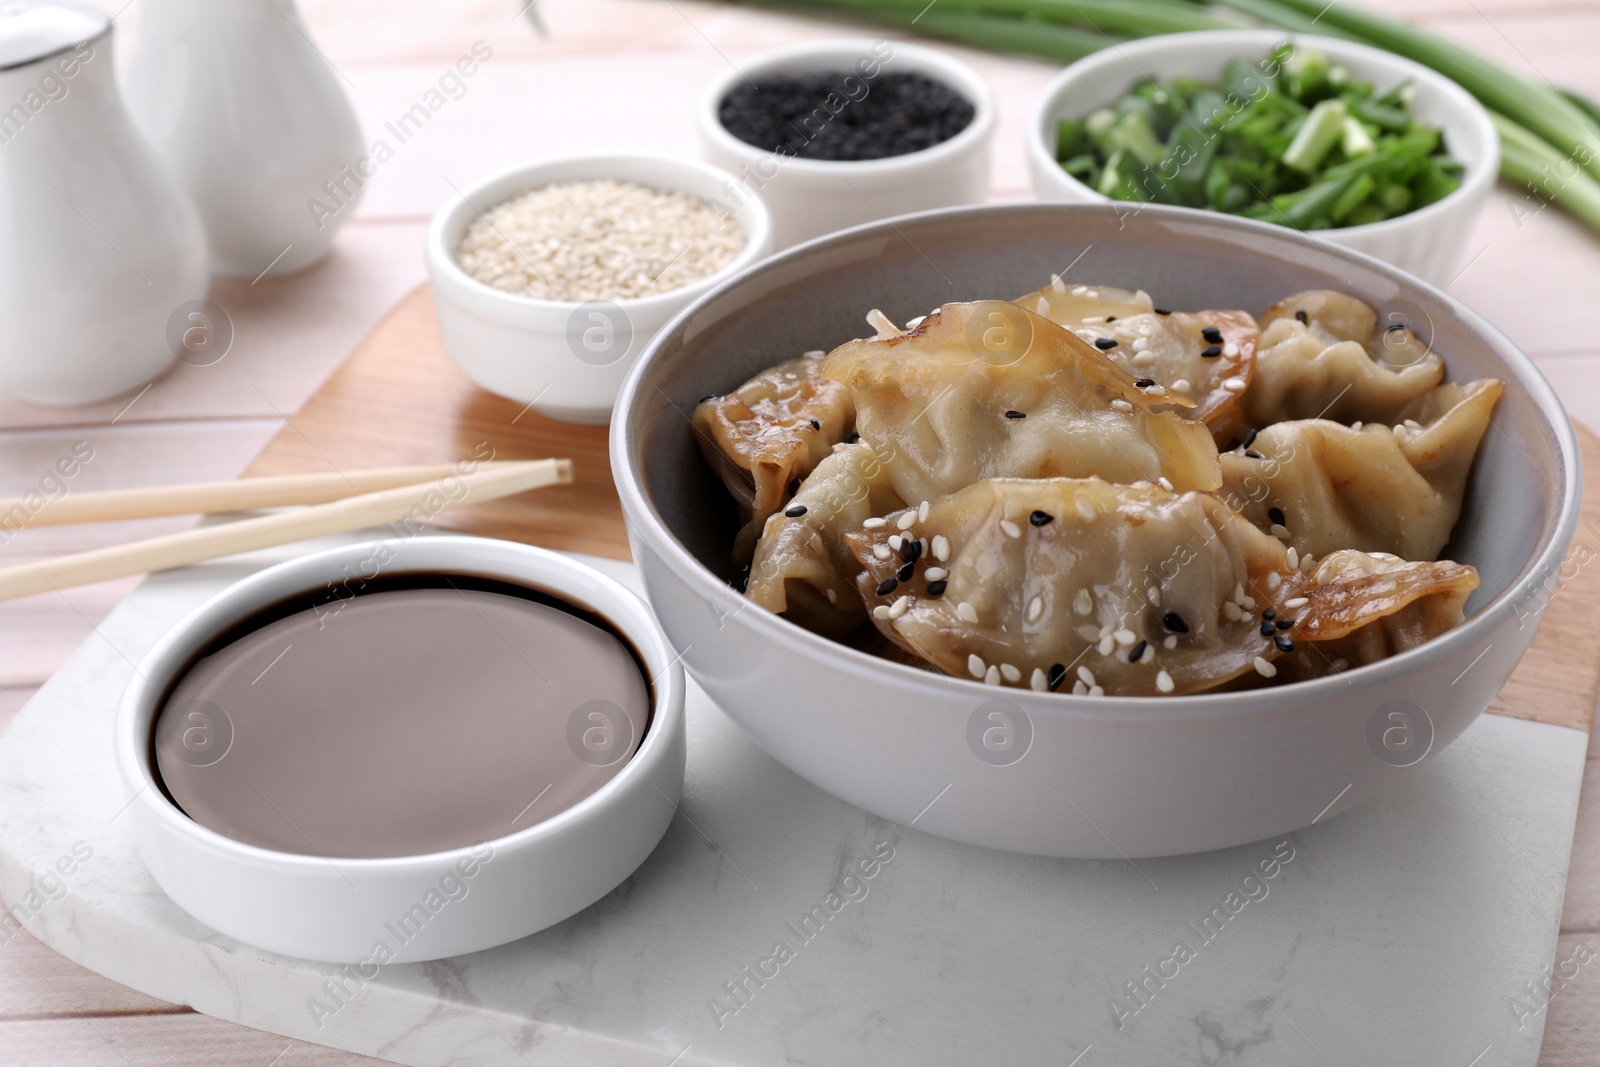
(1316, 136)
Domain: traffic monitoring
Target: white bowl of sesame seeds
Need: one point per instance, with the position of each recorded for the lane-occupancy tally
(550, 278)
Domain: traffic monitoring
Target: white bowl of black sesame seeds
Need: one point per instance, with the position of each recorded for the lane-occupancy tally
(550, 278)
(837, 133)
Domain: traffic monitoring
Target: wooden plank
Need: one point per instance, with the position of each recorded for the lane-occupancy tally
(399, 399)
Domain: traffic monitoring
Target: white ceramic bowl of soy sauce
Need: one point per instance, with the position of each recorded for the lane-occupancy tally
(338, 909)
(1078, 776)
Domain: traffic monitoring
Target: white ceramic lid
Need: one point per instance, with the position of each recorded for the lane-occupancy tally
(30, 32)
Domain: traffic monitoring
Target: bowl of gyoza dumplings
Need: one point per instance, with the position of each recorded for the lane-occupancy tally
(1084, 532)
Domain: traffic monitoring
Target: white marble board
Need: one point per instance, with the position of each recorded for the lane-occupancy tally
(1416, 929)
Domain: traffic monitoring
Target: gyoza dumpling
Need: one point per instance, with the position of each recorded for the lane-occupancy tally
(1207, 356)
(1127, 589)
(1323, 357)
(1375, 488)
(802, 568)
(990, 389)
(770, 431)
(1428, 598)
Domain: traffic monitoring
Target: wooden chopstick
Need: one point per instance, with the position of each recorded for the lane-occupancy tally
(409, 502)
(244, 494)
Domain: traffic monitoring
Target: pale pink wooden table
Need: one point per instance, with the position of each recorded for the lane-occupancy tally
(615, 73)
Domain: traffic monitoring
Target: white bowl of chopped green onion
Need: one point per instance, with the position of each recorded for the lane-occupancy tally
(1353, 144)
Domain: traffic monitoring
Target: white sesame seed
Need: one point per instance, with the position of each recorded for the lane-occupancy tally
(1273, 580)
(815, 353)
(1141, 343)
(833, 598)
(1010, 673)
(1238, 592)
(1088, 633)
(1057, 284)
(1121, 405)
(941, 548)
(1094, 320)
(1357, 424)
(1037, 681)
(1092, 294)
(1143, 359)
(1080, 290)
(1248, 603)
(934, 574)
(1413, 424)
(1265, 668)
(895, 541)
(1230, 349)
(1107, 645)
(1042, 306)
(1181, 385)
(1231, 610)
(992, 675)
(1079, 689)
(874, 524)
(1152, 594)
(1279, 530)
(1087, 675)
(1083, 603)
(967, 612)
(1399, 433)
(907, 520)
(1165, 484)
(881, 552)
(1085, 508)
(1234, 385)
(1297, 602)
(1035, 609)
(912, 324)
(1164, 681)
(1171, 641)
(1307, 563)
(1125, 637)
(1294, 558)
(597, 240)
(880, 612)
(898, 608)
(1146, 654)
(975, 665)
(1096, 691)
(922, 511)
(1011, 529)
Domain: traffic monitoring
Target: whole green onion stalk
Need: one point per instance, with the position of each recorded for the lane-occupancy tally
(1543, 131)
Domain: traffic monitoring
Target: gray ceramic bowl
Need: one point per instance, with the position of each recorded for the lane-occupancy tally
(1084, 777)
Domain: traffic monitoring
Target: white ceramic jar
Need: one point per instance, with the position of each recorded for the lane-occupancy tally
(99, 248)
(251, 116)
(811, 197)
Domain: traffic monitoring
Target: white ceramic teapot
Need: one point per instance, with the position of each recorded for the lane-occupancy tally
(99, 248)
(251, 116)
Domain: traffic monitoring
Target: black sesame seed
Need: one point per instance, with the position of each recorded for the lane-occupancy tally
(796, 511)
(910, 549)
(886, 586)
(1015, 415)
(1285, 624)
(1391, 328)
(814, 115)
(1041, 518)
(1212, 334)
(1284, 642)
(1250, 437)
(1301, 315)
(1267, 629)
(1162, 311)
(794, 486)
(1137, 650)
(1252, 454)
(1055, 675)
(1174, 622)
(905, 573)
(1270, 613)
(1277, 516)
(1105, 343)
(1144, 383)
(937, 588)
(852, 437)
(815, 425)
(708, 399)
(1111, 318)
(1211, 352)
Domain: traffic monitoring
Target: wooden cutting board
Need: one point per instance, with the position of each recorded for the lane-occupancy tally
(398, 399)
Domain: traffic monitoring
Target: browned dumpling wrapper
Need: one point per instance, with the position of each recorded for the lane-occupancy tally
(769, 432)
(1207, 356)
(1120, 589)
(989, 389)
(1323, 355)
(1322, 486)
(802, 567)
